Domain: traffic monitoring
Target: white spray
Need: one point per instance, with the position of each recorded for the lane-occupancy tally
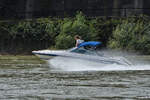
(71, 64)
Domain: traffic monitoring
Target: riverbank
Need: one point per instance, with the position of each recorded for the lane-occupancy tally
(19, 57)
(20, 61)
(33, 57)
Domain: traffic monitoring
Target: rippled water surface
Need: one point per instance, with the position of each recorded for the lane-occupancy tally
(28, 78)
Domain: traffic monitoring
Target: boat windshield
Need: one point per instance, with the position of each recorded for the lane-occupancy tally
(83, 51)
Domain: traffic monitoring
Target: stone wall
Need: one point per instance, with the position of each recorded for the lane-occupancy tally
(43, 8)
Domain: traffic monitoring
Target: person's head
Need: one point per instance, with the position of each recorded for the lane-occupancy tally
(76, 37)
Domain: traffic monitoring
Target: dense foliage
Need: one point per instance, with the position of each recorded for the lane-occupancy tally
(28, 35)
(58, 33)
(77, 26)
(132, 35)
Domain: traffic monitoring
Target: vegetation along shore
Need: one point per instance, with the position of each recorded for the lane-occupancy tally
(23, 36)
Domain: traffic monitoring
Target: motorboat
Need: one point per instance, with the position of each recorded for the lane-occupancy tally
(86, 51)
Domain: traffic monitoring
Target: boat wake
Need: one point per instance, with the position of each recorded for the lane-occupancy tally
(71, 64)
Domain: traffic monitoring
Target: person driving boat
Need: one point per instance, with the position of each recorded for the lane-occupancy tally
(78, 40)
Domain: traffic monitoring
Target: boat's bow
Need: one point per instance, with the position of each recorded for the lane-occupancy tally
(47, 54)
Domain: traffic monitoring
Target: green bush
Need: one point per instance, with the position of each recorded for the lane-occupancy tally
(77, 26)
(132, 35)
(28, 35)
(104, 27)
(64, 41)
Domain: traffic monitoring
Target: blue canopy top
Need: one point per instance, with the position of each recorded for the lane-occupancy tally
(90, 43)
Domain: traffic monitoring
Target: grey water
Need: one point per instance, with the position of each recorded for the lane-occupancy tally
(29, 78)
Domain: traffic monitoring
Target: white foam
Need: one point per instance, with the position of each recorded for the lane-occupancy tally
(69, 64)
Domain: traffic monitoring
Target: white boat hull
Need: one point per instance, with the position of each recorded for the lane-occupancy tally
(49, 54)
(44, 57)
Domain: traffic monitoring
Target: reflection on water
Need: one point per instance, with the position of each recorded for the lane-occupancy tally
(28, 78)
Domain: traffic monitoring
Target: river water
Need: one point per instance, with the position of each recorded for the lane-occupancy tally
(28, 78)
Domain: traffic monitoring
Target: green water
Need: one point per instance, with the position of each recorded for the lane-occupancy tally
(29, 78)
